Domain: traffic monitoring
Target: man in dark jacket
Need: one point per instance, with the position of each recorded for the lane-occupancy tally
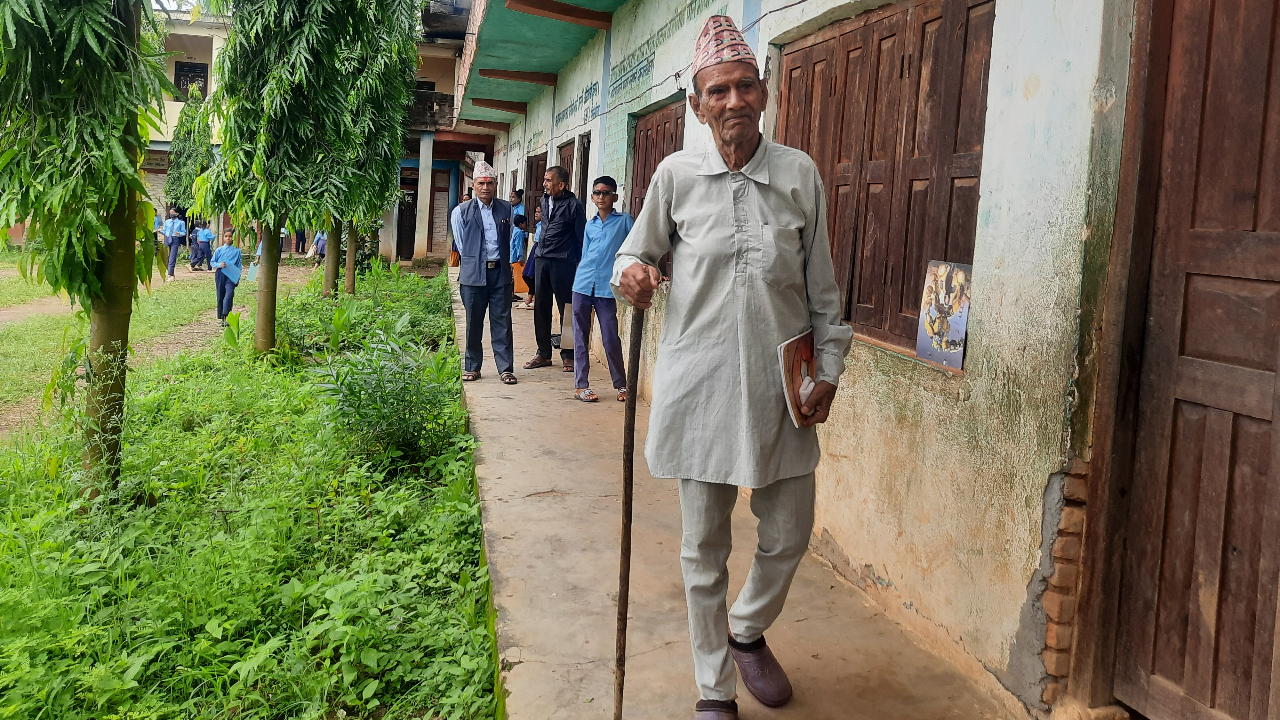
(564, 220)
(482, 234)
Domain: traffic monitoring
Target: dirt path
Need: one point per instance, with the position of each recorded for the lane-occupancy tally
(184, 338)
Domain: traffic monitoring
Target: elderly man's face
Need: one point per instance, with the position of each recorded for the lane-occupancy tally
(552, 183)
(486, 188)
(731, 102)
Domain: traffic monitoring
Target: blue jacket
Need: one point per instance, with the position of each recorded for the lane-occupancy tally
(470, 241)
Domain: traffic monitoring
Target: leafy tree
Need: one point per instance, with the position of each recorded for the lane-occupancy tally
(80, 85)
(191, 152)
(280, 92)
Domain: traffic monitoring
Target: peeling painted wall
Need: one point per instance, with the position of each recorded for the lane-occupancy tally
(933, 486)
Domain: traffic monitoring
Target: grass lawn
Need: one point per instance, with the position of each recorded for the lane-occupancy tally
(16, 290)
(30, 349)
(286, 541)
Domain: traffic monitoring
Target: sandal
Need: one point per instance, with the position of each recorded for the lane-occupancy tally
(470, 376)
(508, 378)
(622, 395)
(537, 362)
(586, 395)
(568, 367)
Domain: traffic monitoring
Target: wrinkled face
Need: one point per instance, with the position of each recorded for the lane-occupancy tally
(731, 101)
(486, 188)
(552, 183)
(604, 197)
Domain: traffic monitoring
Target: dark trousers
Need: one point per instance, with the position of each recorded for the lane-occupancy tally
(226, 294)
(607, 314)
(491, 297)
(554, 281)
(200, 254)
(173, 244)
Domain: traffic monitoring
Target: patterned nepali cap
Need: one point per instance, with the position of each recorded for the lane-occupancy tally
(721, 42)
(484, 170)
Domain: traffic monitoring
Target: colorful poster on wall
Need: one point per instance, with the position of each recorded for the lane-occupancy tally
(944, 314)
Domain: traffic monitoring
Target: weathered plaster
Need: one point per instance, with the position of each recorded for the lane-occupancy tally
(938, 482)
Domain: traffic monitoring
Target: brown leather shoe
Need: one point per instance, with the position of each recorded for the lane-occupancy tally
(715, 710)
(761, 673)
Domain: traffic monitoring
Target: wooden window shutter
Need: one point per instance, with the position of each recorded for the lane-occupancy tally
(935, 210)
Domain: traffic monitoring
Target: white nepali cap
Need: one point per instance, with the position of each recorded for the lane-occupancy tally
(484, 170)
(720, 42)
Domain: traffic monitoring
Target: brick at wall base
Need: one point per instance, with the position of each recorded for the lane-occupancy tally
(1059, 607)
(1056, 662)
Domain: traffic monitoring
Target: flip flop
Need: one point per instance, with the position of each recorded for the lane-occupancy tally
(586, 395)
(622, 395)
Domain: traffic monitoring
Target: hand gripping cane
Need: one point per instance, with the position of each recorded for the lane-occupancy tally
(628, 485)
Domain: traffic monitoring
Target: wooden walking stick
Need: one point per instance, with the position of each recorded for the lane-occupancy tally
(628, 484)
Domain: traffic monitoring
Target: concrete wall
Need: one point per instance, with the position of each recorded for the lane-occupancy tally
(940, 493)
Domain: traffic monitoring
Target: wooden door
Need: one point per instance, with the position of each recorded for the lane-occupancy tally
(658, 134)
(584, 169)
(1197, 629)
(536, 168)
(566, 160)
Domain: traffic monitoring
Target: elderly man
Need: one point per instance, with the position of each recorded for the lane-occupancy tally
(745, 221)
(482, 235)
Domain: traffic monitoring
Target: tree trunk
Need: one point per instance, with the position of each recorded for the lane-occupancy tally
(352, 245)
(332, 257)
(109, 317)
(264, 330)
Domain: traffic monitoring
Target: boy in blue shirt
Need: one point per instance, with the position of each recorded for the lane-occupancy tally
(201, 251)
(175, 234)
(591, 291)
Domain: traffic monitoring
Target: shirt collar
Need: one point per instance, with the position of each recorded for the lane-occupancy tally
(757, 168)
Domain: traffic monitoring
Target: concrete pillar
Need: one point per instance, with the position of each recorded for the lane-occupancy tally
(387, 234)
(422, 228)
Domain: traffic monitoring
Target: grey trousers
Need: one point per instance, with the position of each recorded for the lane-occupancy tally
(785, 511)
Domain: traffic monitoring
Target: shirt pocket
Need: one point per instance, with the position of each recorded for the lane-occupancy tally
(781, 258)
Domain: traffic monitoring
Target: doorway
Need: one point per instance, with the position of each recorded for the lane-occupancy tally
(1197, 619)
(535, 168)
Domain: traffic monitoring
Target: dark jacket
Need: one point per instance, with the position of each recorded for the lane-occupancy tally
(472, 269)
(562, 228)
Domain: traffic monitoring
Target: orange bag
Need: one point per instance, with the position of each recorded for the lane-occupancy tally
(455, 260)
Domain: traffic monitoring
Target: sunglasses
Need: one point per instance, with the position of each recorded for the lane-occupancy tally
(602, 193)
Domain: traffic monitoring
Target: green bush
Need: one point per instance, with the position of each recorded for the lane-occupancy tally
(253, 562)
(303, 318)
(397, 399)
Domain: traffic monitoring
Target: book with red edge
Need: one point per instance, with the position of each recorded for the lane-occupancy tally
(795, 361)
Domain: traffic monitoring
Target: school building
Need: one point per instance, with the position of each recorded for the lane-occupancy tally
(1085, 507)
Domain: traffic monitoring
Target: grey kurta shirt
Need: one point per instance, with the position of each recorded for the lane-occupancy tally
(751, 268)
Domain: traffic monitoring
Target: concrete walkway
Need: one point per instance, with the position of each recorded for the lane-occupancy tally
(550, 480)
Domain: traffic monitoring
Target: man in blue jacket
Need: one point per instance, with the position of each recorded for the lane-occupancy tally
(482, 234)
